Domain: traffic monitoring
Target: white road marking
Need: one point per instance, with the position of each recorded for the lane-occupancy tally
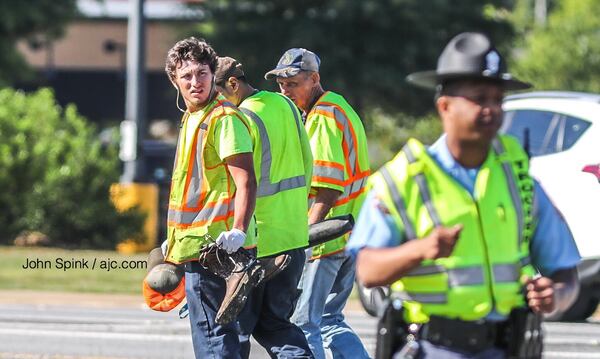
(577, 355)
(97, 335)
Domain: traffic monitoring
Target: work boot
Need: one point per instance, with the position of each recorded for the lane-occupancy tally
(241, 282)
(274, 265)
(239, 286)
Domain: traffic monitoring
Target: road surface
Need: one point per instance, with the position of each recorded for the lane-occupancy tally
(36, 331)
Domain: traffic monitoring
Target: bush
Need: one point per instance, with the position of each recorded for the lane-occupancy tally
(387, 134)
(55, 175)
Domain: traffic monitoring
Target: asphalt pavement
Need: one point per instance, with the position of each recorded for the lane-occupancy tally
(39, 331)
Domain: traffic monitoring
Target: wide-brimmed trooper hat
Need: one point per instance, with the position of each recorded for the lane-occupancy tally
(469, 55)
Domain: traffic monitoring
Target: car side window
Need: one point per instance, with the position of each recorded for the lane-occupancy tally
(542, 127)
(549, 132)
(573, 129)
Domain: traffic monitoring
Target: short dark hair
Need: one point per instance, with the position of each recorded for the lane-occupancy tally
(193, 49)
(240, 78)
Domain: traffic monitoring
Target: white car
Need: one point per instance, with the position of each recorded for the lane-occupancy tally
(561, 131)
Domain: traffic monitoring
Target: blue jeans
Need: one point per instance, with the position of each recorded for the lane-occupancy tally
(205, 292)
(326, 284)
(267, 312)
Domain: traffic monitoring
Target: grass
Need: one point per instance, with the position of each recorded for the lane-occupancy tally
(57, 276)
(97, 280)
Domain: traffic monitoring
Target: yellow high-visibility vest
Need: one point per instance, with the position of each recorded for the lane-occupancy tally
(340, 160)
(283, 163)
(492, 253)
(201, 202)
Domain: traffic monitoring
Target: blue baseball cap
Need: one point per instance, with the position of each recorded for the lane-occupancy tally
(293, 61)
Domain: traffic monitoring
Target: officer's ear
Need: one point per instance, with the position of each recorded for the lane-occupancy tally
(442, 103)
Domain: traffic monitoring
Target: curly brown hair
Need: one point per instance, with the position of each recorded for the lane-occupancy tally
(193, 49)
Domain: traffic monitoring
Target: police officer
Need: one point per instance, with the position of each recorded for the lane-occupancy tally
(459, 229)
(283, 163)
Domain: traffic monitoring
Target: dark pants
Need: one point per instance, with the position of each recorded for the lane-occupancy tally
(267, 312)
(432, 351)
(205, 292)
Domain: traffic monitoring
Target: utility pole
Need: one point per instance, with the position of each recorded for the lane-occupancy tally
(540, 11)
(135, 188)
(133, 129)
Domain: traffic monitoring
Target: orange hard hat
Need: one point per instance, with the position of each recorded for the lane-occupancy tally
(163, 287)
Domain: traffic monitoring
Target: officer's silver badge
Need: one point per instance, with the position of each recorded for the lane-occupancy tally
(492, 62)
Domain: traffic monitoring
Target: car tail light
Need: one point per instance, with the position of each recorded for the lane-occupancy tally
(593, 169)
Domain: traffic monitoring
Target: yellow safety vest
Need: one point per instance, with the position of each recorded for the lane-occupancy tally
(492, 253)
(283, 162)
(340, 160)
(201, 203)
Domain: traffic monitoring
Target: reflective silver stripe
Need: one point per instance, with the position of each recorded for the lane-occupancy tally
(512, 186)
(425, 298)
(465, 276)
(409, 230)
(345, 122)
(505, 273)
(329, 172)
(426, 270)
(469, 275)
(194, 189)
(340, 117)
(229, 104)
(423, 189)
(268, 189)
(525, 261)
(296, 113)
(265, 187)
(456, 277)
(205, 214)
(358, 184)
(353, 187)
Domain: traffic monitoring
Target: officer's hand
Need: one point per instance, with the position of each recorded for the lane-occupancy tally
(440, 242)
(540, 294)
(231, 240)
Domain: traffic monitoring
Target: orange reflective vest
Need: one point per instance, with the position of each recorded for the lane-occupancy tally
(201, 203)
(340, 159)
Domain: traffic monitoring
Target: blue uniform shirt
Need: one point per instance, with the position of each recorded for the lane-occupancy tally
(552, 246)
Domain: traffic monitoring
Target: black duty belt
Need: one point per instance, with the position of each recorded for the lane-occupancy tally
(469, 336)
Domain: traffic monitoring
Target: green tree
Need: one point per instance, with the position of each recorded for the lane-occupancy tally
(565, 54)
(523, 15)
(388, 133)
(367, 47)
(24, 19)
(55, 175)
